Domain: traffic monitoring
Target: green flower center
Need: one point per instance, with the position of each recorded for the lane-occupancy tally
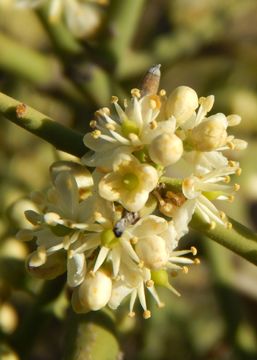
(160, 277)
(108, 238)
(130, 181)
(129, 127)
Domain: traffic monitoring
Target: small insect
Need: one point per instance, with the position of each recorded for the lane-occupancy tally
(151, 80)
(128, 218)
(21, 110)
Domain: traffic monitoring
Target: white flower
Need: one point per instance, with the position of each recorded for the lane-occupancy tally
(132, 130)
(200, 190)
(153, 266)
(61, 224)
(130, 182)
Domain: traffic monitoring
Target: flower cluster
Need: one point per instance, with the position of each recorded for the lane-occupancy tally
(156, 161)
(83, 17)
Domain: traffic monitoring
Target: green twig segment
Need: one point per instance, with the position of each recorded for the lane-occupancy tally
(91, 336)
(41, 125)
(27, 63)
(122, 23)
(239, 238)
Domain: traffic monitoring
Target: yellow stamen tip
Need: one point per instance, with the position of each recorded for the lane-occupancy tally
(212, 225)
(161, 305)
(238, 171)
(185, 269)
(131, 314)
(231, 145)
(236, 187)
(134, 240)
(91, 273)
(193, 250)
(231, 198)
(222, 215)
(153, 125)
(141, 264)
(146, 314)
(135, 93)
(93, 124)
(149, 283)
(227, 179)
(96, 134)
(197, 261)
(114, 99)
(162, 92)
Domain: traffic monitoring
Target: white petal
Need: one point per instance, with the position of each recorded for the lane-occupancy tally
(76, 268)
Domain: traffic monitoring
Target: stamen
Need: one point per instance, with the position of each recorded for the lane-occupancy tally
(131, 314)
(162, 92)
(236, 187)
(193, 250)
(185, 269)
(149, 283)
(141, 264)
(197, 261)
(110, 126)
(134, 240)
(161, 305)
(231, 198)
(238, 171)
(227, 179)
(153, 104)
(114, 99)
(232, 163)
(231, 145)
(222, 215)
(96, 134)
(91, 273)
(93, 124)
(135, 93)
(153, 125)
(146, 314)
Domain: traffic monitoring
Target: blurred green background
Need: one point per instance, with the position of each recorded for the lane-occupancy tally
(210, 45)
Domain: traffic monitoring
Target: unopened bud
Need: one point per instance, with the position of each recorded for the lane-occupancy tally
(95, 292)
(181, 104)
(210, 134)
(152, 251)
(166, 149)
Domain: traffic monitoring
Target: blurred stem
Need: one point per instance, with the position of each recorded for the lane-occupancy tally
(27, 63)
(122, 24)
(239, 334)
(59, 136)
(91, 336)
(89, 78)
(25, 337)
(239, 239)
(62, 39)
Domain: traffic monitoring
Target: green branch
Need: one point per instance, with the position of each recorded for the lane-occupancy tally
(91, 336)
(239, 238)
(59, 136)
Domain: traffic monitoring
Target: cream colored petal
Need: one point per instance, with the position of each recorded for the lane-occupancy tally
(109, 187)
(76, 269)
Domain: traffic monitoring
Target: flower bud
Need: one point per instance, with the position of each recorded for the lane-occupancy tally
(181, 103)
(166, 149)
(54, 265)
(210, 134)
(152, 251)
(95, 291)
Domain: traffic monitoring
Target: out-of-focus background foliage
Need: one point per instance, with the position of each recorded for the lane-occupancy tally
(210, 45)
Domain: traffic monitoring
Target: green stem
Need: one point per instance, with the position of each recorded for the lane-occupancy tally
(122, 23)
(27, 63)
(91, 336)
(239, 239)
(41, 125)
